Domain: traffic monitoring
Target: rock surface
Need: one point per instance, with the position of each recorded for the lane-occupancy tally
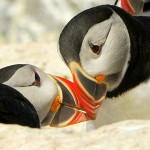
(44, 56)
(128, 135)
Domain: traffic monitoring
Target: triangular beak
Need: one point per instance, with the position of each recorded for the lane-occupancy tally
(69, 111)
(90, 91)
(78, 101)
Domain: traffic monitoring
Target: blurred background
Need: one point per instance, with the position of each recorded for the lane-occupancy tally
(24, 21)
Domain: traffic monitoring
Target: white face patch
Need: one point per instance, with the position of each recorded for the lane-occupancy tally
(114, 56)
(23, 77)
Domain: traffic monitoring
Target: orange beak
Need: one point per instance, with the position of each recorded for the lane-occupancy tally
(74, 105)
(79, 100)
(90, 92)
(70, 111)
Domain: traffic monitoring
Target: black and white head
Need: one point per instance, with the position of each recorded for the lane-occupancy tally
(33, 84)
(99, 42)
(105, 49)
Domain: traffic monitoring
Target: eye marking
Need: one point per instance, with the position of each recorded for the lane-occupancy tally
(37, 81)
(96, 49)
(37, 77)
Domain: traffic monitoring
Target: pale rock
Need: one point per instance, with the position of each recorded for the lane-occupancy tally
(127, 135)
(44, 56)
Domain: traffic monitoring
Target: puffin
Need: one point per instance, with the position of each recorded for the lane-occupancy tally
(106, 45)
(30, 97)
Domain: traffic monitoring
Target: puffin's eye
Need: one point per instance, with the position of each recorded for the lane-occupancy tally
(96, 49)
(37, 79)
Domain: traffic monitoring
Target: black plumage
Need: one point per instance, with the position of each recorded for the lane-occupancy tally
(16, 109)
(139, 65)
(147, 6)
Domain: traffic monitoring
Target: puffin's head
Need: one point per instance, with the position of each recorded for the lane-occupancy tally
(95, 45)
(53, 97)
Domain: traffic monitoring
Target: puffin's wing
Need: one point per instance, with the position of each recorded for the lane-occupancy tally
(145, 20)
(16, 109)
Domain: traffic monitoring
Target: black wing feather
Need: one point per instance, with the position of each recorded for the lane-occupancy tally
(16, 109)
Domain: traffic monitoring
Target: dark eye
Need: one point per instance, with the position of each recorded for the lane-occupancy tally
(96, 49)
(37, 79)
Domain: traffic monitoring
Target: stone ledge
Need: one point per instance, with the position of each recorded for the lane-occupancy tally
(126, 135)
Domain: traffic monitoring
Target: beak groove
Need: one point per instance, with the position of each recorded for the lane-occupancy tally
(79, 100)
(70, 111)
(89, 91)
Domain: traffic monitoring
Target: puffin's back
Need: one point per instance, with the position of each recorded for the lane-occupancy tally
(139, 32)
(144, 20)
